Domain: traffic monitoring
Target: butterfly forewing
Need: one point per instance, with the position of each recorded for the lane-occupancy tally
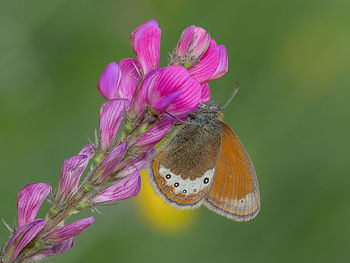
(184, 169)
(234, 192)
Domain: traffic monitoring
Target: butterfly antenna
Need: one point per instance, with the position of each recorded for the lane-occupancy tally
(183, 122)
(232, 96)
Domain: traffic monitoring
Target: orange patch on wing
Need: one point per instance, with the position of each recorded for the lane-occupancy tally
(235, 180)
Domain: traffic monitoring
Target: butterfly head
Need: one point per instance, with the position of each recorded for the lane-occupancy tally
(208, 112)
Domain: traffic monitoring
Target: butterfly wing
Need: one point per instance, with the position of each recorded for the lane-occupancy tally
(184, 169)
(235, 191)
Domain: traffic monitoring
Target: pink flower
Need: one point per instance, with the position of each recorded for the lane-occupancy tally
(145, 41)
(193, 43)
(111, 115)
(70, 230)
(55, 249)
(88, 150)
(138, 162)
(21, 238)
(108, 165)
(212, 65)
(70, 174)
(172, 90)
(29, 200)
(156, 133)
(123, 189)
(120, 81)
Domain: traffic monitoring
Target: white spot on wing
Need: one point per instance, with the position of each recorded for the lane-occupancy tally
(187, 184)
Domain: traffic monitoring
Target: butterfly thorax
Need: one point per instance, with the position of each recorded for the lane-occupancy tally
(206, 117)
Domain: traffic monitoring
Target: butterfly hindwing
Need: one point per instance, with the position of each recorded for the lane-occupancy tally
(185, 167)
(234, 192)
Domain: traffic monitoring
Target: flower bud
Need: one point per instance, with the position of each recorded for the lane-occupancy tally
(193, 43)
(123, 189)
(56, 249)
(21, 238)
(112, 113)
(69, 231)
(29, 200)
(70, 174)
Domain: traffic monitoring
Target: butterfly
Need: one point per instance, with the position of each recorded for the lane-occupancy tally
(204, 163)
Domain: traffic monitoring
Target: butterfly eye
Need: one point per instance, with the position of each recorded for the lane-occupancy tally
(168, 176)
(206, 180)
(184, 191)
(176, 184)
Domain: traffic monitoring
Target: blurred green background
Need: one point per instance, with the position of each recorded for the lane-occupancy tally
(292, 61)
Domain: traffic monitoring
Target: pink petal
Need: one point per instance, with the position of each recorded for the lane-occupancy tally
(173, 79)
(55, 249)
(141, 98)
(88, 150)
(193, 43)
(29, 200)
(162, 104)
(138, 32)
(205, 93)
(207, 66)
(70, 230)
(148, 50)
(108, 82)
(71, 171)
(109, 164)
(222, 67)
(112, 113)
(130, 78)
(185, 41)
(21, 238)
(156, 133)
(123, 189)
(138, 162)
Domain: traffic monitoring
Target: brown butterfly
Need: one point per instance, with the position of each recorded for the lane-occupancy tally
(204, 163)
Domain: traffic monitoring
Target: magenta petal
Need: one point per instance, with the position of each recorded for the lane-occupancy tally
(206, 67)
(205, 93)
(112, 113)
(193, 43)
(71, 171)
(141, 98)
(148, 50)
(130, 78)
(185, 41)
(108, 82)
(170, 80)
(55, 249)
(88, 150)
(29, 200)
(21, 238)
(163, 103)
(137, 163)
(112, 160)
(70, 230)
(139, 31)
(156, 133)
(123, 189)
(222, 67)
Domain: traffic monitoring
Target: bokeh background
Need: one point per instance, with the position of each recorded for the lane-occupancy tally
(292, 61)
